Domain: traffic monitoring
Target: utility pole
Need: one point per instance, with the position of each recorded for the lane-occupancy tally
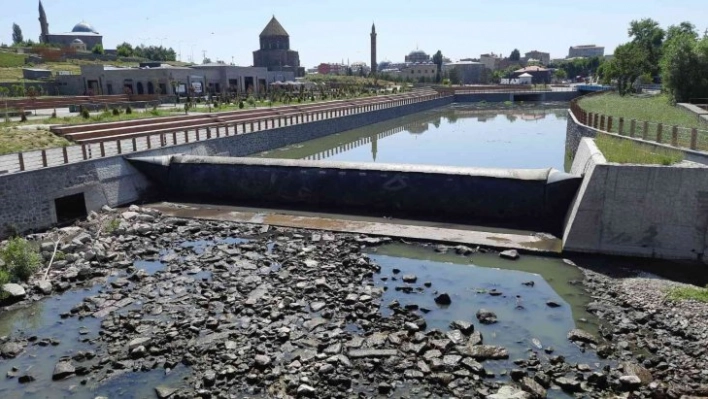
(203, 55)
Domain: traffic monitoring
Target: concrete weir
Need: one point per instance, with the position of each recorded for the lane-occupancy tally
(533, 199)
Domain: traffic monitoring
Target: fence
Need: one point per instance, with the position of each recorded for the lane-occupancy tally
(676, 136)
(32, 160)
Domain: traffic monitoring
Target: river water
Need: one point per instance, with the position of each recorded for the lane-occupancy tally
(524, 318)
(531, 136)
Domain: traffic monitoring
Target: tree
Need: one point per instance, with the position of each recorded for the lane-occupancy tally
(17, 37)
(454, 76)
(629, 63)
(206, 60)
(97, 49)
(560, 74)
(649, 36)
(438, 61)
(125, 50)
(681, 29)
(683, 65)
(515, 55)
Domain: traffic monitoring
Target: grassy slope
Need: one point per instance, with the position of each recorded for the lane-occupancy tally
(652, 109)
(13, 139)
(626, 151)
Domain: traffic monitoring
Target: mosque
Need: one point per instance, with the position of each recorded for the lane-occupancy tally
(83, 37)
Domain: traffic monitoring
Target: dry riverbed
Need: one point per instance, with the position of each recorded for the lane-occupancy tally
(236, 310)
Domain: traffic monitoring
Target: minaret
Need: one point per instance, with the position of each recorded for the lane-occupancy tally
(373, 49)
(44, 25)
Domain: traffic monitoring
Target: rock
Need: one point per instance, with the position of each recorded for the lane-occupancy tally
(43, 286)
(486, 316)
(553, 304)
(409, 278)
(364, 353)
(262, 361)
(411, 327)
(466, 327)
(25, 379)
(509, 254)
(510, 392)
(640, 372)
(464, 250)
(630, 382)
(568, 384)
(209, 378)
(385, 388)
(529, 283)
(473, 366)
(11, 349)
(487, 352)
(62, 370)
(443, 299)
(164, 392)
(578, 335)
(604, 351)
(15, 291)
(140, 341)
(306, 390)
(475, 339)
(455, 336)
(120, 282)
(534, 388)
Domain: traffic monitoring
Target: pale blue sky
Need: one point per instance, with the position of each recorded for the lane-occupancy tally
(332, 31)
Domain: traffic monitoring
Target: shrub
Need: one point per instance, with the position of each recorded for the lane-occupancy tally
(128, 110)
(23, 116)
(116, 112)
(112, 226)
(54, 113)
(21, 258)
(241, 104)
(85, 113)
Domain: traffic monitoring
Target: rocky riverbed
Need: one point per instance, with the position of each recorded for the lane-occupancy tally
(241, 310)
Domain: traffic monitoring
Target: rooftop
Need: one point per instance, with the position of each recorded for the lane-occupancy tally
(274, 28)
(531, 69)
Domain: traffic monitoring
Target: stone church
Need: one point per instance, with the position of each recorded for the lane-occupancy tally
(82, 37)
(275, 53)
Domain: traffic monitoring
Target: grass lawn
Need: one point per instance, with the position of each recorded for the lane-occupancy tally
(13, 139)
(109, 117)
(653, 109)
(11, 60)
(619, 150)
(689, 293)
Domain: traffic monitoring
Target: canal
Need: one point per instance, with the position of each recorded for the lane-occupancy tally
(468, 135)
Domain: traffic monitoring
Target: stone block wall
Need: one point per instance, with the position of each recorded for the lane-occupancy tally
(27, 198)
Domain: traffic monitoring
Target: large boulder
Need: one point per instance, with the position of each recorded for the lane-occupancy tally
(487, 352)
(11, 349)
(510, 392)
(62, 370)
(640, 372)
(486, 316)
(14, 291)
(578, 335)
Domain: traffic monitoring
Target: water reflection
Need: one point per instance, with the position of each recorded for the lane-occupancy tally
(460, 135)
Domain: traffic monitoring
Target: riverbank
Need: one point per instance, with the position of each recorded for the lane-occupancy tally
(273, 312)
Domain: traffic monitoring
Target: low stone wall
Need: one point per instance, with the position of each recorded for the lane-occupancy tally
(530, 199)
(637, 210)
(559, 96)
(27, 199)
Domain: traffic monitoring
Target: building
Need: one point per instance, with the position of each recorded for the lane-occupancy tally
(490, 61)
(538, 74)
(86, 35)
(360, 68)
(465, 72)
(586, 51)
(156, 78)
(543, 58)
(417, 57)
(326, 68)
(420, 71)
(373, 48)
(275, 53)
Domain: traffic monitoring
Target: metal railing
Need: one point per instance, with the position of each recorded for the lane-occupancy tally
(676, 136)
(33, 160)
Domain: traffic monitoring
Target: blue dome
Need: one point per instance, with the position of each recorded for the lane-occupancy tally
(84, 27)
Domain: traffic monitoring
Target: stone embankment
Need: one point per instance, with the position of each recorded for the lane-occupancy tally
(293, 313)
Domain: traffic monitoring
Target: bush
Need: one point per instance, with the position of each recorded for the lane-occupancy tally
(23, 116)
(54, 114)
(85, 113)
(21, 258)
(116, 112)
(128, 110)
(241, 104)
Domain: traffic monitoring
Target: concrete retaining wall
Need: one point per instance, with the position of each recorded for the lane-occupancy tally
(534, 199)
(520, 96)
(27, 198)
(637, 210)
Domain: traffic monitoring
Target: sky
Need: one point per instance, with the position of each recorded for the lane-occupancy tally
(338, 31)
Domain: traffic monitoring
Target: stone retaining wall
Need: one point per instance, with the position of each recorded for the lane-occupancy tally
(27, 198)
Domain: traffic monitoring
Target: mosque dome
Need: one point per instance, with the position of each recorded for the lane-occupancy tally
(84, 27)
(77, 41)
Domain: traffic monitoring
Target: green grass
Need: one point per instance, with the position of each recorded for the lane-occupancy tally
(689, 293)
(8, 60)
(13, 139)
(109, 117)
(618, 150)
(653, 109)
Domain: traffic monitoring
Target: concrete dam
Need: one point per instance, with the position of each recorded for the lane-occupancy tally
(530, 199)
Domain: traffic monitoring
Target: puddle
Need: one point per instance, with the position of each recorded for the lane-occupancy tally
(522, 311)
(200, 246)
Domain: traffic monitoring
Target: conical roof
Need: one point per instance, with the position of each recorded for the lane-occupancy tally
(274, 28)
